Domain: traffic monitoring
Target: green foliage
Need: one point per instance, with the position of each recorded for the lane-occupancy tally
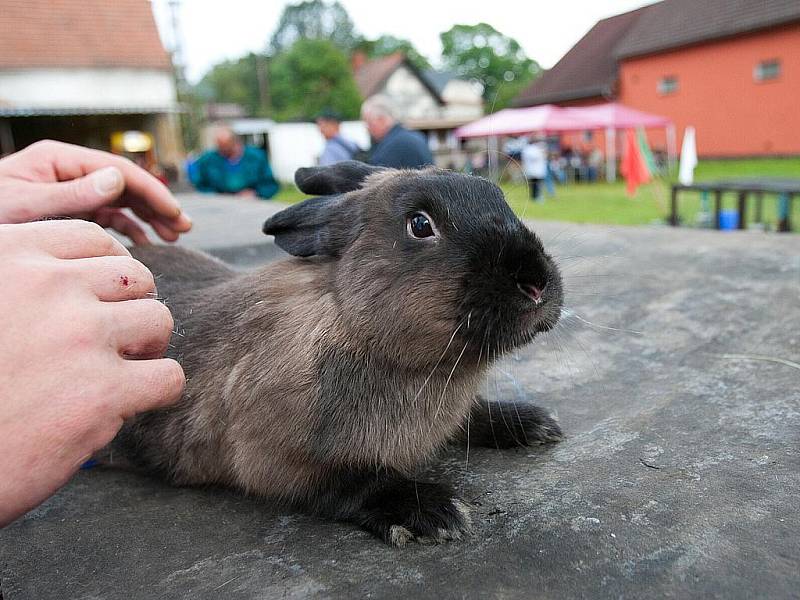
(310, 76)
(389, 44)
(495, 60)
(314, 20)
(235, 81)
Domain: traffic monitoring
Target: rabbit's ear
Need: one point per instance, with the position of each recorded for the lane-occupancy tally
(338, 178)
(317, 226)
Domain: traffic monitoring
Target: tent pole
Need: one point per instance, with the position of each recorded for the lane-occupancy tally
(611, 154)
(491, 148)
(671, 148)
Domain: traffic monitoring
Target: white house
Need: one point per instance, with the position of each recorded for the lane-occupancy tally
(434, 103)
(80, 71)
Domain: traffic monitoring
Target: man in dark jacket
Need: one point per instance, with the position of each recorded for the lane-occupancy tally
(393, 145)
(233, 168)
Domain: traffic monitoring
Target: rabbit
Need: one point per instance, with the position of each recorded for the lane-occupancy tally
(326, 379)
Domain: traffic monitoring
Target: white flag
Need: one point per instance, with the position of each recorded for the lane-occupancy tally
(688, 157)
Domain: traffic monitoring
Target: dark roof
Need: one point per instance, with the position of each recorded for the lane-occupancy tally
(676, 23)
(371, 76)
(588, 69)
(79, 33)
(439, 79)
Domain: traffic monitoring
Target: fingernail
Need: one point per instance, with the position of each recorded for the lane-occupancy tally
(107, 181)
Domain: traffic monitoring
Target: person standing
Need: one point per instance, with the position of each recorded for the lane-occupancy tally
(393, 145)
(337, 148)
(534, 167)
(233, 168)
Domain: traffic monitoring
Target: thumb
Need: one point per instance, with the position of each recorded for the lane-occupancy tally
(87, 193)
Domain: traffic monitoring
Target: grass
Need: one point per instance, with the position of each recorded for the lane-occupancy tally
(607, 203)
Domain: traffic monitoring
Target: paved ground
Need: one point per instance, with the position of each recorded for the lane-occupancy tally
(679, 477)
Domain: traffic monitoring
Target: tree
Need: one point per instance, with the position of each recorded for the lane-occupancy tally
(235, 81)
(389, 44)
(311, 76)
(497, 61)
(314, 20)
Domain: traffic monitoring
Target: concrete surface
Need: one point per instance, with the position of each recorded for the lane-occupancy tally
(679, 476)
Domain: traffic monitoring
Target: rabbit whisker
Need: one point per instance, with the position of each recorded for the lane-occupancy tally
(447, 383)
(438, 362)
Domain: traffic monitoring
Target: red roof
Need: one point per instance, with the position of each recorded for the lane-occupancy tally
(589, 69)
(374, 73)
(79, 33)
(371, 75)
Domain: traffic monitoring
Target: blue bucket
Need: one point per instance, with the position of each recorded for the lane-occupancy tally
(728, 219)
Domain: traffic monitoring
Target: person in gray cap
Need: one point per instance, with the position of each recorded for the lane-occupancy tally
(337, 148)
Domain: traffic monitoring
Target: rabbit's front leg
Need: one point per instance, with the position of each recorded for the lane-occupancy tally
(396, 508)
(495, 424)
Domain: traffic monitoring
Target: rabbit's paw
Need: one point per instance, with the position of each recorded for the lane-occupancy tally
(405, 511)
(511, 425)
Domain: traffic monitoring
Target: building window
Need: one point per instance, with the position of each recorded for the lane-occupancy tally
(667, 85)
(766, 70)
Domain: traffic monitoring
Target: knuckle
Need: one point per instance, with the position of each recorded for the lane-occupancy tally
(174, 377)
(88, 229)
(101, 241)
(45, 146)
(137, 275)
(160, 315)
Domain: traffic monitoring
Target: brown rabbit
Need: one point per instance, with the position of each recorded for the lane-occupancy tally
(326, 379)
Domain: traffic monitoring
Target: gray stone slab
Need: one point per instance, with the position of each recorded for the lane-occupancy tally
(679, 475)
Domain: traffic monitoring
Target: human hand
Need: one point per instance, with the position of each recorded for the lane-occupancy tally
(75, 310)
(49, 179)
(246, 193)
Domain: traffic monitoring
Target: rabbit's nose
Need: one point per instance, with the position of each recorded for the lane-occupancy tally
(531, 291)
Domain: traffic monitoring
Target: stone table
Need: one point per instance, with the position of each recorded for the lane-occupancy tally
(675, 376)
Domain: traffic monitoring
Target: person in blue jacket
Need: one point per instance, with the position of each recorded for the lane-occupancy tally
(233, 168)
(393, 145)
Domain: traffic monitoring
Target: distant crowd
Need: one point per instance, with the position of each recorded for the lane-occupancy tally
(232, 167)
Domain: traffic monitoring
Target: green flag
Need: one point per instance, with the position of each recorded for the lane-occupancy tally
(644, 148)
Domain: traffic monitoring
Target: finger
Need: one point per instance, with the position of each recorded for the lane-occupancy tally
(80, 195)
(119, 221)
(180, 224)
(66, 162)
(152, 383)
(69, 162)
(166, 229)
(72, 238)
(115, 278)
(143, 327)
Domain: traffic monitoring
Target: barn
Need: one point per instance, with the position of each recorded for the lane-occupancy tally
(730, 68)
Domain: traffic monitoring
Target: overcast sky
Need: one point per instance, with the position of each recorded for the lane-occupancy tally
(214, 30)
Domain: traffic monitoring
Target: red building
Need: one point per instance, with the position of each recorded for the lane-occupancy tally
(730, 68)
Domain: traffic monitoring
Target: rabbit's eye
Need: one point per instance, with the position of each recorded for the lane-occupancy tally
(420, 226)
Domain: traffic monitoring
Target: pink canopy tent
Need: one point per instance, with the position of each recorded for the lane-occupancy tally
(615, 115)
(549, 118)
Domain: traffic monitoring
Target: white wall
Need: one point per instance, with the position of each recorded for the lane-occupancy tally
(87, 88)
(411, 99)
(462, 100)
(295, 145)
